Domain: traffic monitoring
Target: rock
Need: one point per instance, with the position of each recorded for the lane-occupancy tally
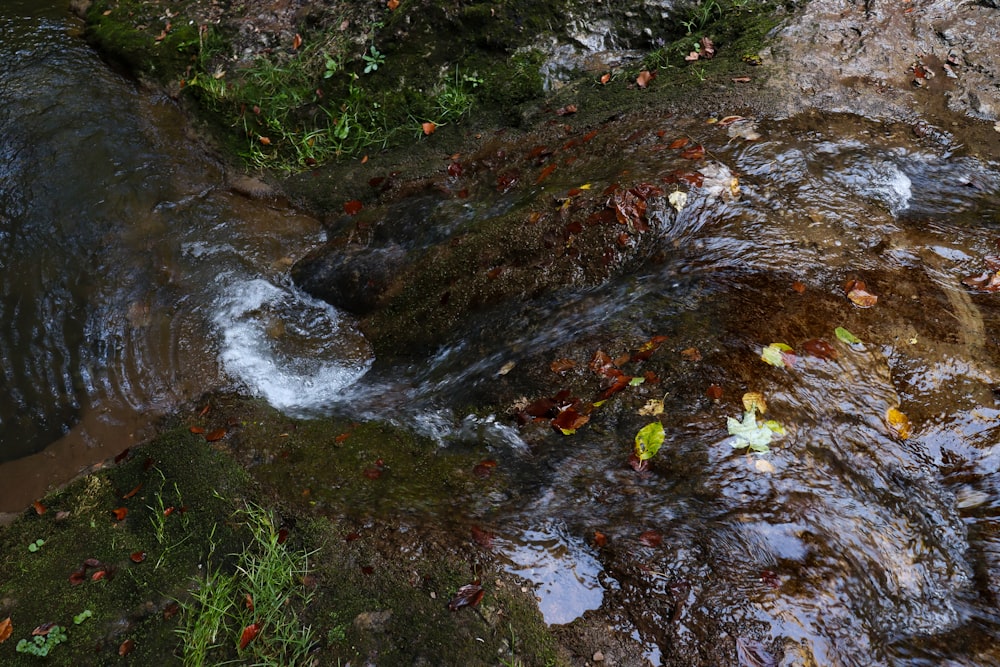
(350, 279)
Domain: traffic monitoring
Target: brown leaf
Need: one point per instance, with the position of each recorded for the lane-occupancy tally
(353, 207)
(296, 41)
(695, 152)
(484, 469)
(248, 601)
(647, 349)
(248, 635)
(392, 5)
(120, 513)
(40, 509)
(741, 79)
(138, 556)
(6, 628)
(799, 287)
(132, 492)
(600, 539)
(707, 48)
(560, 366)
(818, 347)
(569, 420)
(691, 354)
(197, 430)
(678, 144)
(862, 298)
(714, 392)
(651, 538)
(567, 110)
(428, 127)
(546, 172)
(265, 141)
(483, 538)
(467, 596)
(988, 281)
(216, 435)
(645, 76)
(605, 78)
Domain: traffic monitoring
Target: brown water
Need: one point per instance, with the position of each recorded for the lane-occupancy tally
(134, 281)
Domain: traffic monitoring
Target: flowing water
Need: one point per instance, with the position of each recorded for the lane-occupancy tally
(133, 280)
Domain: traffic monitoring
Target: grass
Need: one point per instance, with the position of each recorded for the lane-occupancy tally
(252, 609)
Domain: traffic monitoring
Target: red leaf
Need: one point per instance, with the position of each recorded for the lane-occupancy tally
(6, 629)
(560, 366)
(546, 172)
(353, 207)
(138, 556)
(454, 169)
(600, 539)
(248, 635)
(282, 535)
(620, 383)
(646, 350)
(132, 492)
(818, 347)
(40, 509)
(569, 420)
(120, 513)
(123, 455)
(651, 538)
(372, 472)
(645, 76)
(216, 435)
(97, 576)
(714, 392)
(467, 596)
(126, 647)
(482, 537)
(695, 152)
(680, 143)
(77, 577)
(197, 430)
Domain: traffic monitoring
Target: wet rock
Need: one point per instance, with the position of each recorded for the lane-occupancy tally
(352, 279)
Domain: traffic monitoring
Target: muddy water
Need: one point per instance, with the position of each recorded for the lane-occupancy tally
(134, 280)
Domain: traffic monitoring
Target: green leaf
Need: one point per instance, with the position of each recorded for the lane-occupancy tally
(774, 354)
(648, 441)
(845, 336)
(636, 381)
(748, 433)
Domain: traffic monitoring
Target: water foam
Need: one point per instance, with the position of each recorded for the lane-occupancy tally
(294, 351)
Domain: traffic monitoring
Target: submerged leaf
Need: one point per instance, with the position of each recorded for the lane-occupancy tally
(748, 433)
(819, 348)
(754, 400)
(899, 423)
(648, 441)
(778, 354)
(751, 653)
(845, 336)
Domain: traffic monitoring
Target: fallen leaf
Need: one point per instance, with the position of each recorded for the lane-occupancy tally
(197, 430)
(678, 144)
(651, 538)
(484, 469)
(132, 492)
(714, 392)
(653, 407)
(741, 79)
(778, 354)
(6, 628)
(754, 400)
(216, 435)
(751, 653)
(707, 48)
(691, 57)
(40, 509)
(858, 293)
(691, 354)
(483, 538)
(648, 440)
(989, 281)
(428, 127)
(569, 420)
(605, 78)
(678, 200)
(763, 466)
(899, 423)
(120, 513)
(248, 601)
(265, 141)
(468, 595)
(392, 5)
(799, 287)
(600, 539)
(695, 152)
(353, 207)
(647, 349)
(560, 366)
(296, 42)
(645, 76)
(819, 348)
(249, 633)
(138, 556)
(567, 110)
(100, 574)
(845, 336)
(546, 172)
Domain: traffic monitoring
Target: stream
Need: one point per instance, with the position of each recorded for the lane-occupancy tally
(134, 280)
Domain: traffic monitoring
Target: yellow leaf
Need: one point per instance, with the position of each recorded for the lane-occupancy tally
(898, 422)
(754, 400)
(652, 408)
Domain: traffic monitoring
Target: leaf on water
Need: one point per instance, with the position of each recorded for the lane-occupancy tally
(763, 466)
(859, 295)
(988, 281)
(754, 400)
(648, 441)
(748, 433)
(751, 653)
(695, 152)
(249, 633)
(652, 408)
(778, 354)
(678, 200)
(651, 538)
(6, 628)
(845, 336)
(819, 348)
(468, 595)
(353, 207)
(899, 423)
(645, 76)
